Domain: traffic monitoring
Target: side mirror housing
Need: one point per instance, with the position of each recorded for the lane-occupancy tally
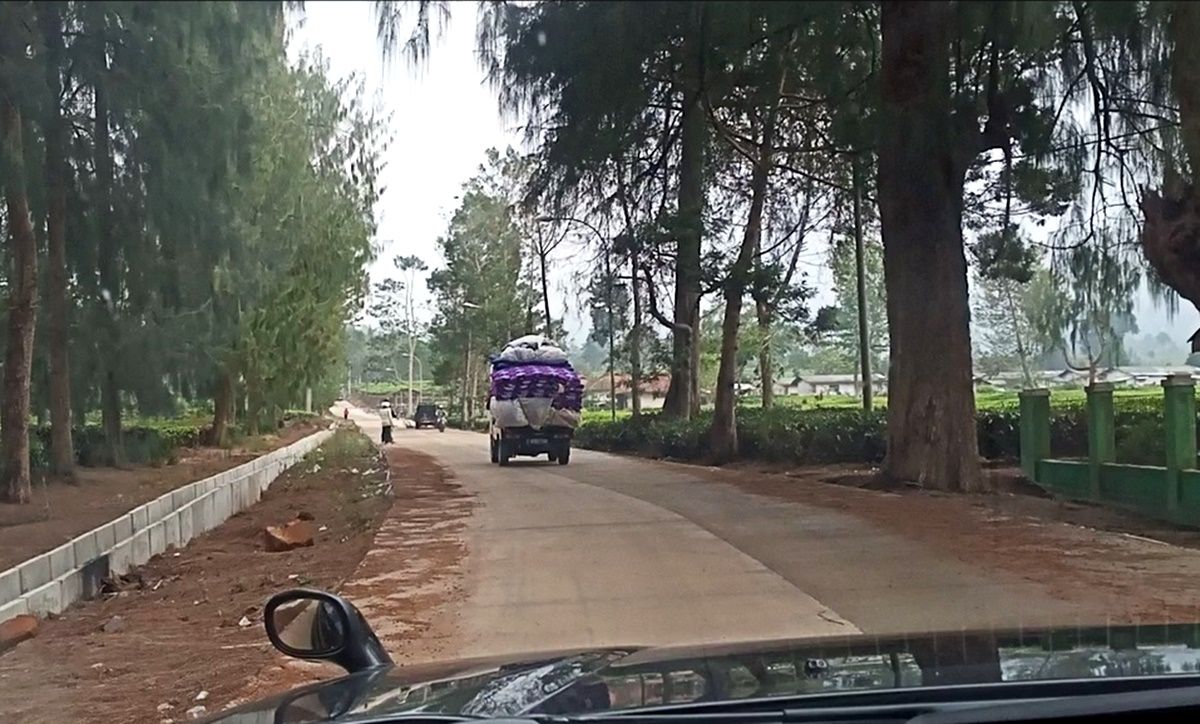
(310, 624)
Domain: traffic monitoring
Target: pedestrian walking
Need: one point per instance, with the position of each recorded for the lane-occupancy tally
(386, 419)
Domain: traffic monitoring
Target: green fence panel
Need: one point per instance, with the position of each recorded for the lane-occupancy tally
(1065, 477)
(1143, 487)
(1189, 491)
(1035, 429)
(1102, 441)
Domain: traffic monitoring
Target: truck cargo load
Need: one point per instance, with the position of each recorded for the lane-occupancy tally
(535, 397)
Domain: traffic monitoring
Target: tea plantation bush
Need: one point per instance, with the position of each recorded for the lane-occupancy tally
(815, 436)
(150, 443)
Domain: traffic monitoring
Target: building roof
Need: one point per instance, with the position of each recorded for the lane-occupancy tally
(1123, 373)
(834, 379)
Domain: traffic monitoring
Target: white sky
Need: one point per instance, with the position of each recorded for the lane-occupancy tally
(443, 119)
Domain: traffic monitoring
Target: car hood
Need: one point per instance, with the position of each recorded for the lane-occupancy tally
(591, 681)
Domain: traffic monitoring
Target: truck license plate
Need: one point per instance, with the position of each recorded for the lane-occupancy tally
(537, 441)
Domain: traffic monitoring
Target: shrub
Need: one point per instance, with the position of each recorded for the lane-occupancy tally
(153, 443)
(814, 436)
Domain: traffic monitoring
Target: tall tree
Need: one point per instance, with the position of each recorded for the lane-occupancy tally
(57, 175)
(723, 440)
(1004, 334)
(955, 80)
(1171, 233)
(588, 109)
(683, 395)
(22, 253)
(110, 290)
(842, 331)
(931, 404)
(479, 292)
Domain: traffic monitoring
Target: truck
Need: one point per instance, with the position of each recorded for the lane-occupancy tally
(554, 441)
(534, 401)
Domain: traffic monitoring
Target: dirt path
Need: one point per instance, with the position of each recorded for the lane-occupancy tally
(409, 583)
(179, 632)
(59, 512)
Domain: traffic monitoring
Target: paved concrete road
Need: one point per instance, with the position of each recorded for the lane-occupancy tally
(614, 550)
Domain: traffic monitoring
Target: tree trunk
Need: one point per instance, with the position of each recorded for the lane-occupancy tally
(62, 453)
(223, 405)
(635, 339)
(110, 418)
(722, 435)
(682, 398)
(465, 372)
(860, 282)
(22, 311)
(766, 371)
(109, 264)
(931, 403)
(545, 294)
(254, 410)
(469, 390)
(1171, 232)
(411, 361)
(1018, 337)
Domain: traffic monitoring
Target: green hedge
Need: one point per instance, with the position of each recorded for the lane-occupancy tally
(809, 437)
(153, 443)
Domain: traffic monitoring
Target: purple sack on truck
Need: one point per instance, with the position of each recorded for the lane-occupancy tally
(559, 382)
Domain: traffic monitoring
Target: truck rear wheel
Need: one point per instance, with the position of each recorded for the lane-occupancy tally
(564, 456)
(495, 453)
(503, 452)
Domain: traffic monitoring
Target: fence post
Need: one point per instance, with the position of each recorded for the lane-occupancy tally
(1102, 441)
(1179, 411)
(1035, 429)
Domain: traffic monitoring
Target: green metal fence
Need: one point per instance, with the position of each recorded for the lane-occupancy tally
(1170, 491)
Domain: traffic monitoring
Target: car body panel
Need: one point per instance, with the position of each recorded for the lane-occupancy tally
(622, 678)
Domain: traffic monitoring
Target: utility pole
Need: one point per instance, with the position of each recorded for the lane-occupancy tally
(864, 336)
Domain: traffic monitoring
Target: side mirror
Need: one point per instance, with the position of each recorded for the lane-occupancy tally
(311, 624)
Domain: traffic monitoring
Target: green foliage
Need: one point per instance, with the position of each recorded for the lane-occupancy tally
(345, 447)
(803, 434)
(481, 299)
(1003, 328)
(301, 277)
(845, 334)
(219, 207)
(144, 443)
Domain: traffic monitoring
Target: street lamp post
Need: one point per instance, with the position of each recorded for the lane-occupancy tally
(608, 293)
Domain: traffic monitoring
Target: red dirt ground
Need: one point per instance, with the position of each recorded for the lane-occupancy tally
(180, 633)
(59, 512)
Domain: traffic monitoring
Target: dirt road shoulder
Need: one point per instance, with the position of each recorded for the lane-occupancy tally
(189, 621)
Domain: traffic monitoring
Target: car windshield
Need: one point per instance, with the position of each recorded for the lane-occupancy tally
(802, 347)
